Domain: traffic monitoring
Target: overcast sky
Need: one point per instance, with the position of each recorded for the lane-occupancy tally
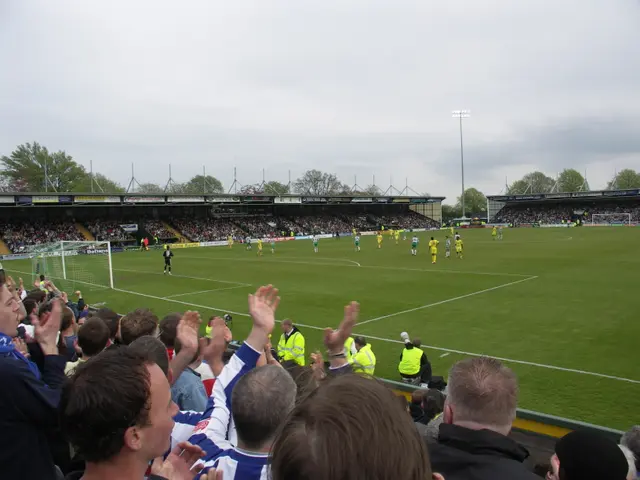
(353, 87)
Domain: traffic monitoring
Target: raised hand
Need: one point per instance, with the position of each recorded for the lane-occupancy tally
(212, 475)
(213, 349)
(46, 329)
(187, 331)
(179, 464)
(334, 339)
(317, 366)
(21, 346)
(262, 308)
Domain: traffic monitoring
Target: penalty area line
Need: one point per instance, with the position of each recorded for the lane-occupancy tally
(206, 291)
(448, 300)
(147, 272)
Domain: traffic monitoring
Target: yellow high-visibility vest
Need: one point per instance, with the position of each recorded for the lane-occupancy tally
(292, 348)
(410, 362)
(348, 349)
(364, 361)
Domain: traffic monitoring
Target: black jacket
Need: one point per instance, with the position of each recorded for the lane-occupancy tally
(28, 412)
(464, 454)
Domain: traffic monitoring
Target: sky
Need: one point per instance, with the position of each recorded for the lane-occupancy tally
(359, 88)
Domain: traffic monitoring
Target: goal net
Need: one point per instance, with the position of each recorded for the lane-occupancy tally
(74, 265)
(611, 219)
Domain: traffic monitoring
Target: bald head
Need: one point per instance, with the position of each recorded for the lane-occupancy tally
(482, 393)
(287, 325)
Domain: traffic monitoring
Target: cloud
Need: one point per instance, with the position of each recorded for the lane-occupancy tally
(357, 87)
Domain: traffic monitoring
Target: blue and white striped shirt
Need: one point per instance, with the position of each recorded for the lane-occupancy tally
(215, 433)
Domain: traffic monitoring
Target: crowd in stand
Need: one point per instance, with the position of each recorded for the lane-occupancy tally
(158, 229)
(209, 229)
(19, 237)
(409, 219)
(108, 231)
(322, 224)
(258, 226)
(144, 398)
(545, 214)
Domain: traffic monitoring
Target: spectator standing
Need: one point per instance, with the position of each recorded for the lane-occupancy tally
(168, 332)
(28, 398)
(291, 345)
(188, 390)
(136, 324)
(364, 361)
(93, 338)
(112, 320)
(473, 442)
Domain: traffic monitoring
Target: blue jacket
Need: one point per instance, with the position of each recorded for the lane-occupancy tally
(28, 412)
(188, 391)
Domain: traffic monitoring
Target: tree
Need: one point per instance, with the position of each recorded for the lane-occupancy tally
(449, 212)
(474, 201)
(275, 188)
(519, 187)
(101, 184)
(29, 161)
(370, 191)
(625, 179)
(317, 183)
(149, 188)
(202, 185)
(534, 182)
(570, 180)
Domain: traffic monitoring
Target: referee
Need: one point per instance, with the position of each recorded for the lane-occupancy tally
(167, 254)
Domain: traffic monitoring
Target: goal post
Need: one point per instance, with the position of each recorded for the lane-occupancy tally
(611, 218)
(74, 265)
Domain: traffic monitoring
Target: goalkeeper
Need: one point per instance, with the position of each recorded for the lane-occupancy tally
(168, 255)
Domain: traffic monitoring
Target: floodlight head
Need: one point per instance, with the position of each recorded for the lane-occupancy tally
(461, 113)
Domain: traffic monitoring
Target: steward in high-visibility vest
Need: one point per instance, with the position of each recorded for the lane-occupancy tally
(350, 349)
(291, 344)
(413, 362)
(364, 361)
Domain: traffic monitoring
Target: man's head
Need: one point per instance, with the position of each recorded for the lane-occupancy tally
(359, 342)
(168, 329)
(587, 455)
(111, 319)
(136, 324)
(11, 311)
(30, 306)
(154, 351)
(482, 394)
(42, 278)
(117, 407)
(287, 325)
(350, 427)
(93, 337)
(67, 319)
(631, 440)
(261, 401)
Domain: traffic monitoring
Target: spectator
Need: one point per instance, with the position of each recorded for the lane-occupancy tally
(632, 473)
(261, 401)
(118, 414)
(365, 360)
(111, 320)
(352, 427)
(188, 390)
(631, 440)
(93, 338)
(478, 413)
(586, 455)
(168, 333)
(68, 334)
(28, 398)
(136, 324)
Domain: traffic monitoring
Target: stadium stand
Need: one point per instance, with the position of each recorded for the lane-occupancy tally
(19, 236)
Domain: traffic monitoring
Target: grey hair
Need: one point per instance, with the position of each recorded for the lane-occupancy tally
(261, 402)
(484, 391)
(631, 440)
(631, 460)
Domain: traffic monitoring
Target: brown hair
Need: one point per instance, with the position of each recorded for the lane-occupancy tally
(169, 329)
(93, 336)
(136, 324)
(351, 427)
(484, 391)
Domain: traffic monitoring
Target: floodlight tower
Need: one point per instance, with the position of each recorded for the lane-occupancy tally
(460, 114)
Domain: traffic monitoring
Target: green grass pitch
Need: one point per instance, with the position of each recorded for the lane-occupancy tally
(560, 306)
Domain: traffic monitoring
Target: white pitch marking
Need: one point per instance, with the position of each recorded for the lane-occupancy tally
(322, 264)
(205, 291)
(430, 347)
(445, 354)
(441, 302)
(184, 276)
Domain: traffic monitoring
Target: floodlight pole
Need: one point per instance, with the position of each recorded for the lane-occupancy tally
(460, 114)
